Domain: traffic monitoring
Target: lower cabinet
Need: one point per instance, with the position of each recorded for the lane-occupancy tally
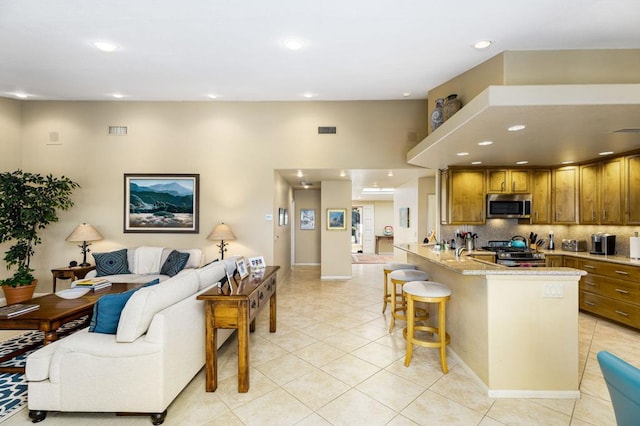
(610, 290)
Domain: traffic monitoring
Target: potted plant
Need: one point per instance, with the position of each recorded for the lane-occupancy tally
(28, 203)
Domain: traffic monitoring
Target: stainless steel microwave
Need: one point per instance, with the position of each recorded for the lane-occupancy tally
(508, 206)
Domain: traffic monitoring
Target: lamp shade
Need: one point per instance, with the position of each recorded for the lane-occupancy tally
(84, 232)
(221, 232)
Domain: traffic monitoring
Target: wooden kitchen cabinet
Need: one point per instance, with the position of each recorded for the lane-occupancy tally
(540, 196)
(507, 181)
(554, 260)
(601, 193)
(610, 290)
(564, 195)
(465, 197)
(632, 192)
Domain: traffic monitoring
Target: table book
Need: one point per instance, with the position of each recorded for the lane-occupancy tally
(17, 309)
(91, 283)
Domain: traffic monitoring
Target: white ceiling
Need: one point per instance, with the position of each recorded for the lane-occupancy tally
(353, 49)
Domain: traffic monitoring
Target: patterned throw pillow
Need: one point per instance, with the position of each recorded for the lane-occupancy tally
(174, 263)
(111, 263)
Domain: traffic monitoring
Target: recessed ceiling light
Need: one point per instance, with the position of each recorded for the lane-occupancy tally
(475, 163)
(343, 173)
(308, 95)
(567, 162)
(482, 44)
(406, 94)
(293, 43)
(21, 95)
(105, 46)
(118, 95)
(516, 127)
(212, 96)
(605, 153)
(299, 174)
(462, 154)
(522, 162)
(390, 174)
(485, 143)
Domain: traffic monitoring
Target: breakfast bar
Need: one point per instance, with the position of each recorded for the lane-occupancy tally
(514, 329)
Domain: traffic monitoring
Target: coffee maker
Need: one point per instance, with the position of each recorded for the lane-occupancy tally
(604, 244)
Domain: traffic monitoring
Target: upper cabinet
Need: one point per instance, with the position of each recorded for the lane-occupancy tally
(564, 195)
(465, 196)
(632, 190)
(507, 181)
(540, 196)
(602, 193)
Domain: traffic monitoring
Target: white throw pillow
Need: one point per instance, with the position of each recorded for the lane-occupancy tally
(146, 302)
(211, 273)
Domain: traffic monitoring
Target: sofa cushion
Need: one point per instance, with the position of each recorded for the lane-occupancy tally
(146, 302)
(111, 263)
(107, 310)
(211, 273)
(175, 263)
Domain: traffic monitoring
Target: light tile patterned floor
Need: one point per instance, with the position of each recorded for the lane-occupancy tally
(333, 362)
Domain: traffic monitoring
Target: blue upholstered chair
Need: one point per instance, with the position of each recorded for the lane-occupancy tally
(623, 381)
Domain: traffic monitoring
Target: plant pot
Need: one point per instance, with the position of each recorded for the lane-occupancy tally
(19, 294)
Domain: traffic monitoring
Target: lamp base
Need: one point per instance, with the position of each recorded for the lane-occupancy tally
(85, 264)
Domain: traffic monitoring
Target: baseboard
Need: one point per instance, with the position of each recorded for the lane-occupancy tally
(336, 277)
(306, 264)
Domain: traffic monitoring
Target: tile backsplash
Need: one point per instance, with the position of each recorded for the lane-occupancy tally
(504, 229)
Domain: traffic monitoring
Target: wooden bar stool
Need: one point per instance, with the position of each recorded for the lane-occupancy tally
(427, 292)
(399, 278)
(388, 268)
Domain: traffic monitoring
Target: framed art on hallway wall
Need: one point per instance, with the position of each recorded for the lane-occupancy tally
(157, 203)
(307, 219)
(336, 219)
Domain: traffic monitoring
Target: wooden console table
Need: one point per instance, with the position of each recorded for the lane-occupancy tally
(380, 238)
(70, 273)
(237, 309)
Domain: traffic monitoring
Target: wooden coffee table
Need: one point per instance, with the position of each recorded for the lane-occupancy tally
(54, 312)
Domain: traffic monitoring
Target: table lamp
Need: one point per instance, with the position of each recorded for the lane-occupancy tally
(84, 233)
(222, 233)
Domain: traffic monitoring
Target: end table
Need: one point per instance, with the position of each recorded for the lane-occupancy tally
(70, 273)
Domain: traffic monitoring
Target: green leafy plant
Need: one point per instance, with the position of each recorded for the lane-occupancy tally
(28, 203)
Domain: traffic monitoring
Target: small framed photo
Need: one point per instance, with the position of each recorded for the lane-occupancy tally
(307, 219)
(404, 217)
(241, 267)
(257, 262)
(336, 219)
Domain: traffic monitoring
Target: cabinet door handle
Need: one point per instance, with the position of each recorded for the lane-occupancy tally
(593, 215)
(624, 314)
(622, 273)
(621, 291)
(586, 302)
(502, 186)
(589, 267)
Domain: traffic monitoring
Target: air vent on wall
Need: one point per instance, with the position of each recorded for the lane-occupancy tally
(118, 130)
(326, 130)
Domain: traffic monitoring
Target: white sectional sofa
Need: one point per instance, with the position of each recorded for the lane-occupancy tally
(158, 348)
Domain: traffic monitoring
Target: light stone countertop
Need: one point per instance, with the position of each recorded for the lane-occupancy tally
(467, 265)
(586, 255)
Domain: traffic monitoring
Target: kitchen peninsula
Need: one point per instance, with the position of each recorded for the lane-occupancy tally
(516, 329)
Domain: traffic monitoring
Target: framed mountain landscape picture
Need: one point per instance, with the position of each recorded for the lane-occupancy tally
(161, 203)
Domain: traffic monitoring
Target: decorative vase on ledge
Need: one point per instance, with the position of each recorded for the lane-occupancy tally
(451, 105)
(437, 116)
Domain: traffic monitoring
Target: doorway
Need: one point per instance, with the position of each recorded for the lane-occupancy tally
(356, 229)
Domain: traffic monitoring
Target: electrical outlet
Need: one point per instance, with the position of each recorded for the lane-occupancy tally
(553, 290)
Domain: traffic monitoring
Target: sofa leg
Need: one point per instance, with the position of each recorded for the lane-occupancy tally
(158, 418)
(37, 415)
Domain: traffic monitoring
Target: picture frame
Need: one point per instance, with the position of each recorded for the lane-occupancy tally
(161, 203)
(336, 219)
(307, 219)
(280, 216)
(257, 262)
(404, 217)
(241, 267)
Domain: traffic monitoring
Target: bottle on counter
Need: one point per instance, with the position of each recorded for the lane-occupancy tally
(453, 244)
(552, 244)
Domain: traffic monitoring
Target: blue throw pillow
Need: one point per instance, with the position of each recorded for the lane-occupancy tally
(152, 282)
(174, 263)
(111, 263)
(107, 310)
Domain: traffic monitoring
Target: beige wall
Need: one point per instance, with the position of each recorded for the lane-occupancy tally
(234, 146)
(307, 242)
(335, 244)
(10, 135)
(406, 196)
(282, 199)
